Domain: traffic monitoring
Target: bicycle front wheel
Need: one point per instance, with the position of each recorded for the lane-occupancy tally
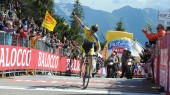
(86, 76)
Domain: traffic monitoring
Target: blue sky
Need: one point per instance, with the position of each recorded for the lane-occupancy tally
(110, 5)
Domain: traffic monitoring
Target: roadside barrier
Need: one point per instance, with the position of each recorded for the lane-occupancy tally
(33, 61)
(162, 63)
(15, 57)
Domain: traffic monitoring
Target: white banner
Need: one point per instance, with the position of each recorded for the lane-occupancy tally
(164, 15)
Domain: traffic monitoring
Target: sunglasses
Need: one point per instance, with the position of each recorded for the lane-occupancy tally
(158, 28)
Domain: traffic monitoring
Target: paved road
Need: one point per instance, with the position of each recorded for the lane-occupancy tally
(54, 85)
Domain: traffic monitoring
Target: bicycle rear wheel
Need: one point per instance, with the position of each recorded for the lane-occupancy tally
(86, 76)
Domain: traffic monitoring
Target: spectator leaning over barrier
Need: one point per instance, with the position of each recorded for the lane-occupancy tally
(60, 47)
(9, 31)
(16, 35)
(2, 15)
(66, 43)
(33, 39)
(47, 41)
(152, 40)
(24, 36)
(68, 51)
(75, 50)
(53, 44)
(154, 36)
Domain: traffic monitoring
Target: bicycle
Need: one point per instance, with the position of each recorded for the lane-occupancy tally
(87, 69)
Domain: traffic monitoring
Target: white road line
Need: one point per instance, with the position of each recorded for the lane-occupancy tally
(43, 81)
(54, 82)
(18, 80)
(68, 82)
(73, 90)
(27, 80)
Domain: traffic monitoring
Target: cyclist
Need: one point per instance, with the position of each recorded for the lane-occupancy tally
(90, 39)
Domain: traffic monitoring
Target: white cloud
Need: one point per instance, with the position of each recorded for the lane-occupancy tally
(110, 5)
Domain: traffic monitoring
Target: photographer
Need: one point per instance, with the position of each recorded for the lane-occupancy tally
(112, 68)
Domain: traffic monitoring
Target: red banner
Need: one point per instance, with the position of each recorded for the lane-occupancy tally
(14, 57)
(72, 65)
(169, 72)
(163, 69)
(156, 69)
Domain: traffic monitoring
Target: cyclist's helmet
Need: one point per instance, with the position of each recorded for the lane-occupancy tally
(115, 51)
(95, 28)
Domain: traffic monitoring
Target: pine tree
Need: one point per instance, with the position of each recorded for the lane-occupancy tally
(120, 26)
(61, 28)
(76, 31)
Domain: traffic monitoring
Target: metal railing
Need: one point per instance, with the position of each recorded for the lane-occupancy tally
(13, 39)
(17, 40)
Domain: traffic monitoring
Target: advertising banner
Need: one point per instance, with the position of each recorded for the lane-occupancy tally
(168, 67)
(163, 67)
(164, 15)
(119, 45)
(117, 40)
(72, 65)
(15, 57)
(169, 76)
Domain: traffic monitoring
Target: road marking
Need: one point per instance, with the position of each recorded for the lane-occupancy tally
(106, 84)
(54, 82)
(43, 81)
(72, 90)
(27, 80)
(68, 82)
(18, 80)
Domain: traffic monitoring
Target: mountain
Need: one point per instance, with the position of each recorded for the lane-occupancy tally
(133, 19)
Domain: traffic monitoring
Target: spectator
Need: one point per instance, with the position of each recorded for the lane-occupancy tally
(2, 15)
(34, 38)
(154, 36)
(146, 45)
(9, 30)
(60, 46)
(23, 33)
(65, 46)
(53, 44)
(47, 41)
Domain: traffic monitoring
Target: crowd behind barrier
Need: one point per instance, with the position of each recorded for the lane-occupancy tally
(16, 40)
(27, 32)
(158, 63)
(67, 54)
(164, 59)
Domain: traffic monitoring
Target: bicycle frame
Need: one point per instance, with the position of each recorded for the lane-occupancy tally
(87, 71)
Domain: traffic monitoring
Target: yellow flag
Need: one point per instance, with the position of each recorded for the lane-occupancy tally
(49, 22)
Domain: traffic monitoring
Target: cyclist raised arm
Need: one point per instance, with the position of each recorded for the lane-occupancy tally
(94, 28)
(90, 39)
(77, 19)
